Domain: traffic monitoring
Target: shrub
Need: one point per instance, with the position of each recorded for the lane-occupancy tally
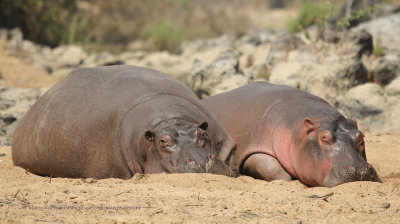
(309, 14)
(379, 51)
(166, 35)
(48, 22)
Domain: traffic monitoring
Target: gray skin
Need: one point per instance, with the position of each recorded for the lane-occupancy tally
(283, 133)
(116, 121)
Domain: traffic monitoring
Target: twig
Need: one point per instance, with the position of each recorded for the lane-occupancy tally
(15, 195)
(122, 192)
(193, 205)
(42, 220)
(323, 197)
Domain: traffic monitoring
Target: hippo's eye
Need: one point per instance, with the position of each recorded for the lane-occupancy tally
(163, 142)
(326, 137)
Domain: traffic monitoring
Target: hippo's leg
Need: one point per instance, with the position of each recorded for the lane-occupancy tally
(265, 167)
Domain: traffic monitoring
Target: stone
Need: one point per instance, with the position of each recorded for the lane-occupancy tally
(386, 29)
(367, 104)
(222, 74)
(69, 56)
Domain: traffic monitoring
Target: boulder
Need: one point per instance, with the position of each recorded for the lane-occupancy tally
(191, 47)
(386, 29)
(222, 74)
(14, 102)
(69, 56)
(388, 67)
(322, 69)
(393, 89)
(367, 104)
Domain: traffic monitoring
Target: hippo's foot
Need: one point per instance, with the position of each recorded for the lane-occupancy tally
(265, 167)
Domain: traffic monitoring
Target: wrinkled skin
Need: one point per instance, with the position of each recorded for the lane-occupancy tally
(283, 133)
(116, 121)
(182, 148)
(337, 151)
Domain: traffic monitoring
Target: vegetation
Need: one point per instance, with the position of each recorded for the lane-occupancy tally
(166, 35)
(46, 22)
(311, 13)
(113, 25)
(378, 48)
(345, 22)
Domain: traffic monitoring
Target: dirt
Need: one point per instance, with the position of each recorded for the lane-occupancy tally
(202, 198)
(16, 72)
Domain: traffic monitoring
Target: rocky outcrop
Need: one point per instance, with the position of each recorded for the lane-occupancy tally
(341, 68)
(386, 30)
(222, 74)
(376, 109)
(366, 103)
(324, 69)
(14, 102)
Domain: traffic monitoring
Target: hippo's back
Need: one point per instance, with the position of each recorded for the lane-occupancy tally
(251, 113)
(79, 117)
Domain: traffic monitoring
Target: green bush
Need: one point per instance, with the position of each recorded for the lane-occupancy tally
(309, 14)
(379, 50)
(49, 22)
(166, 35)
(345, 22)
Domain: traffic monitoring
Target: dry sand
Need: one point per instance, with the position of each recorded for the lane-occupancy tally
(202, 198)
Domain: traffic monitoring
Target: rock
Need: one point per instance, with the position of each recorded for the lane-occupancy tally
(251, 55)
(102, 59)
(280, 49)
(15, 40)
(321, 69)
(191, 47)
(356, 6)
(367, 104)
(388, 67)
(69, 56)
(171, 64)
(222, 74)
(393, 89)
(14, 102)
(387, 29)
(362, 41)
(260, 37)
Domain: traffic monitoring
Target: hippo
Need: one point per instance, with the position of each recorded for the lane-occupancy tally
(283, 133)
(116, 121)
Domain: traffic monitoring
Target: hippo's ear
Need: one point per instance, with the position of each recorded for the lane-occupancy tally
(354, 122)
(203, 125)
(309, 124)
(150, 136)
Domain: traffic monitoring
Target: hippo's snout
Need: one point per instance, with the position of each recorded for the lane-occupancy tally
(211, 164)
(364, 172)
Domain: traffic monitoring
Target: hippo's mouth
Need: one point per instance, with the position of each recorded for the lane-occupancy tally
(351, 174)
(210, 165)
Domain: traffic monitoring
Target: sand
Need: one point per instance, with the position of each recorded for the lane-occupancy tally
(202, 198)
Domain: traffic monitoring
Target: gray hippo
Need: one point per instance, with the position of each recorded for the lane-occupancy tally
(116, 121)
(285, 133)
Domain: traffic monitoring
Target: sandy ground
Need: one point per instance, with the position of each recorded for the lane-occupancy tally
(200, 198)
(16, 72)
